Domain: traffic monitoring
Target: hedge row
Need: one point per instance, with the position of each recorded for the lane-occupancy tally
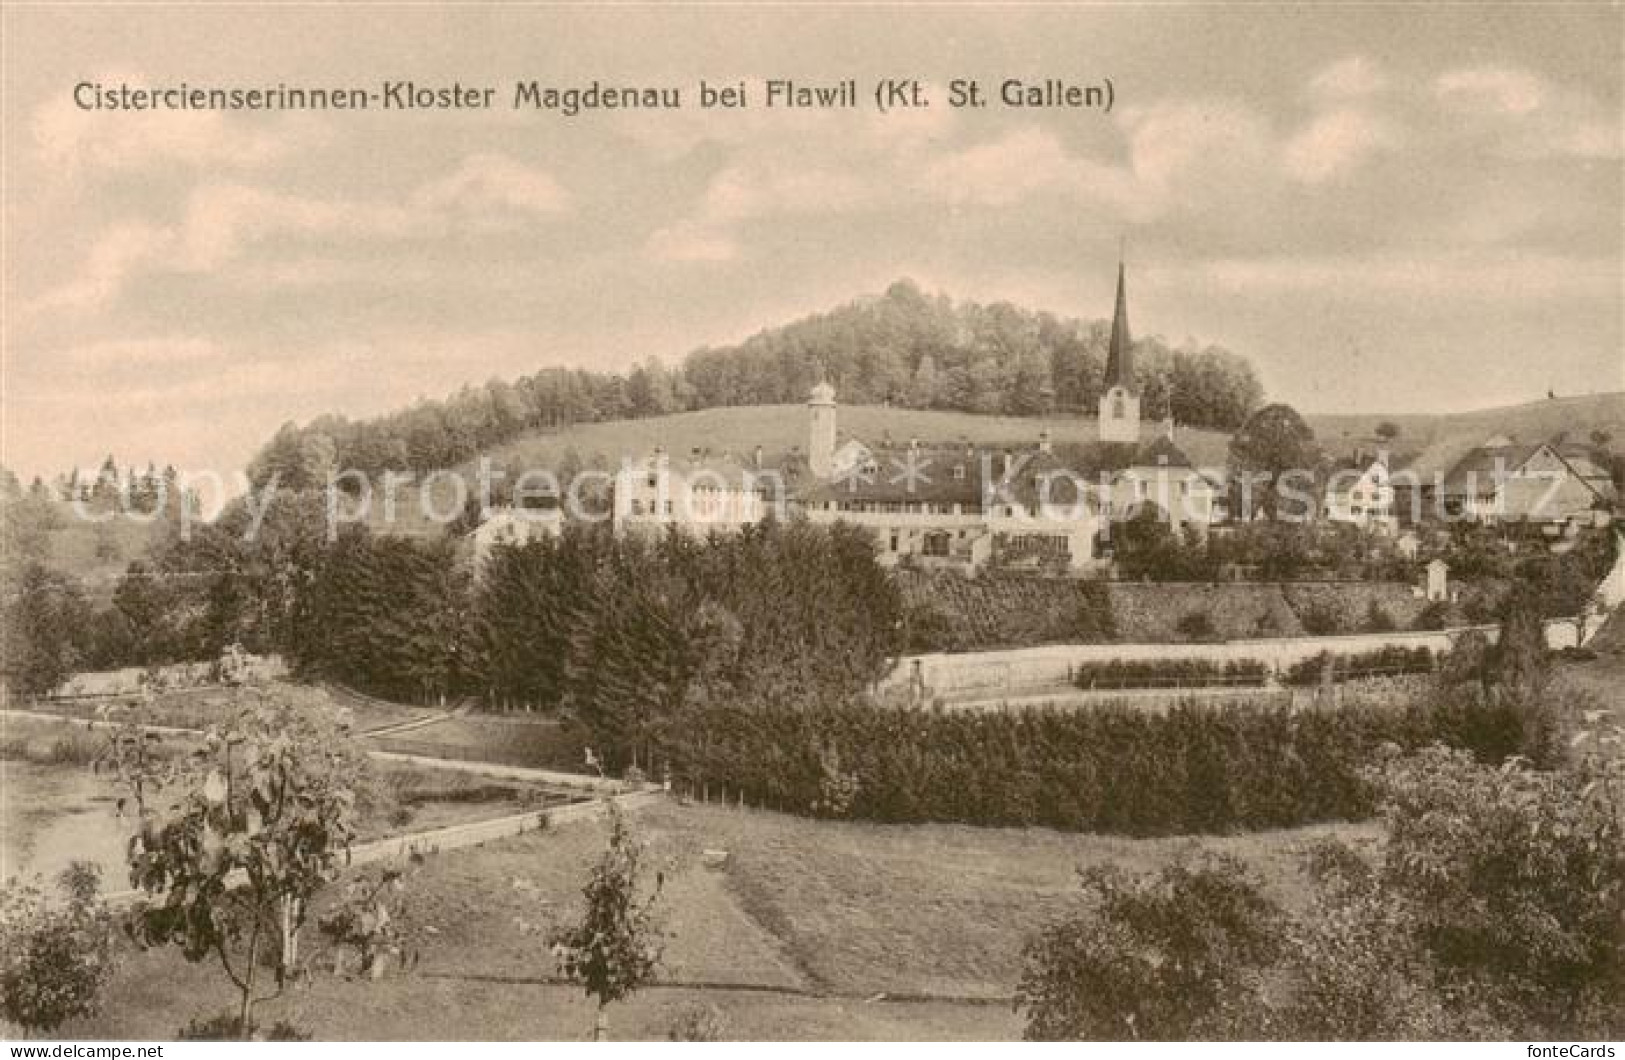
(1390, 661)
(1170, 673)
(1113, 769)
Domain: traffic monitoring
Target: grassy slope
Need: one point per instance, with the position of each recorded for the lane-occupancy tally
(779, 427)
(1536, 420)
(96, 554)
(842, 909)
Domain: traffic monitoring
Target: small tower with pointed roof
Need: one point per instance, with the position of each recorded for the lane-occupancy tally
(821, 441)
(1120, 398)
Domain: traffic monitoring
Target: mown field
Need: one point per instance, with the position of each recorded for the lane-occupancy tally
(808, 923)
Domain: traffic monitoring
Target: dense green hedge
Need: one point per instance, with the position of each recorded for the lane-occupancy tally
(1112, 769)
(1385, 662)
(1170, 673)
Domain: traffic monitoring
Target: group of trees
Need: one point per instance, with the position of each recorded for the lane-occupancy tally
(1146, 548)
(904, 348)
(128, 490)
(624, 632)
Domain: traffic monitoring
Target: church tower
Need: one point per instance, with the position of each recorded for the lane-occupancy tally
(1120, 398)
(821, 443)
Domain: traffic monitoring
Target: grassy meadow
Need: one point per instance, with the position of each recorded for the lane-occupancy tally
(798, 936)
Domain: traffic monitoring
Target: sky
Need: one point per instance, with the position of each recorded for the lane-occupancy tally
(1383, 207)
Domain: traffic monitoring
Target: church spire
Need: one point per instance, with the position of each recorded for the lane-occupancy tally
(1120, 356)
(1120, 397)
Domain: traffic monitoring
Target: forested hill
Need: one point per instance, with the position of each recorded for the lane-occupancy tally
(904, 348)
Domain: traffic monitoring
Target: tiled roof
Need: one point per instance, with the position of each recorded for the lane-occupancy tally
(958, 474)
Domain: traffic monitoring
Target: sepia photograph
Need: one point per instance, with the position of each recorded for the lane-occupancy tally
(788, 522)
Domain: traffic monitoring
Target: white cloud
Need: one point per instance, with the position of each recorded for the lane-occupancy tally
(1180, 146)
(76, 142)
(1029, 161)
(489, 181)
(1528, 116)
(1335, 143)
(1350, 78)
(1491, 89)
(221, 221)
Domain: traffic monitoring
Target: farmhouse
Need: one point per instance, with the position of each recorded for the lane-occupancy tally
(1501, 480)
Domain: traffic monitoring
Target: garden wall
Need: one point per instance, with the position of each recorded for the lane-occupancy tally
(1019, 671)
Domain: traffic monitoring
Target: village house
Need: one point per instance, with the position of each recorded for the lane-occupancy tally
(1161, 474)
(1359, 492)
(701, 494)
(511, 526)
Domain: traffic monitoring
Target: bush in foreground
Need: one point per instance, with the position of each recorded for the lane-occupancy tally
(1495, 910)
(55, 958)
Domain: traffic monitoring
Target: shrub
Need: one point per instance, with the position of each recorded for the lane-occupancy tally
(1382, 662)
(1170, 673)
(1377, 620)
(1468, 660)
(228, 1027)
(1491, 909)
(698, 1022)
(1171, 956)
(1359, 971)
(1434, 616)
(1319, 620)
(1516, 880)
(1196, 625)
(54, 958)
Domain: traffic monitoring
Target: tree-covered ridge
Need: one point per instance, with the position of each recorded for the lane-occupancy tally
(904, 348)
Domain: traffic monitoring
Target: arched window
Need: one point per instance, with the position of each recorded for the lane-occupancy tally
(1117, 404)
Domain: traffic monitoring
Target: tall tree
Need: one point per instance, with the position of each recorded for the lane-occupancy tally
(1273, 462)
